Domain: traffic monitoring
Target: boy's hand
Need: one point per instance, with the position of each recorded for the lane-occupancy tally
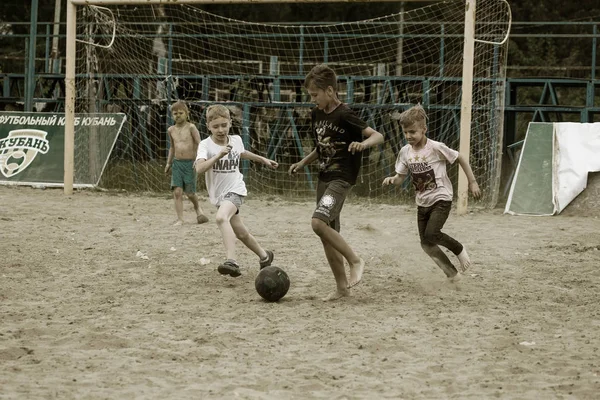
(294, 168)
(167, 168)
(390, 180)
(474, 188)
(356, 146)
(270, 163)
(225, 150)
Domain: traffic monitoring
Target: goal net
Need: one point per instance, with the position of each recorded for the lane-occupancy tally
(140, 59)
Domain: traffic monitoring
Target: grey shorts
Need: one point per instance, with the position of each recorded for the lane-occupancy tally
(330, 200)
(234, 198)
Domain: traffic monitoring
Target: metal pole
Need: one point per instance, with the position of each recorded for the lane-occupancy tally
(466, 105)
(30, 82)
(70, 99)
(55, 64)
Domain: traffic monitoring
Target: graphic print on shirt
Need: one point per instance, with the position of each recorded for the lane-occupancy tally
(228, 164)
(327, 148)
(423, 176)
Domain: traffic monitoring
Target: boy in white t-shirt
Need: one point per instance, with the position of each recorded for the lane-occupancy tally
(219, 158)
(425, 160)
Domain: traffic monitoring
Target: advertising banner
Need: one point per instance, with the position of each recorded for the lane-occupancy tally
(32, 147)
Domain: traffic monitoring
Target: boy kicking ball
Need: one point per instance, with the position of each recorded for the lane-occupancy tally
(340, 137)
(219, 159)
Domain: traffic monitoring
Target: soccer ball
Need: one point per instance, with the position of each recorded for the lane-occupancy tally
(272, 283)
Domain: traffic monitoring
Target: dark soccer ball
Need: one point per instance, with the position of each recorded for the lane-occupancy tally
(272, 283)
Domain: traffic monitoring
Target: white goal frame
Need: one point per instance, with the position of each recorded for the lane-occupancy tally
(70, 92)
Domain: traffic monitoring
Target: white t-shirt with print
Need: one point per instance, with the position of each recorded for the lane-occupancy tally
(427, 167)
(224, 176)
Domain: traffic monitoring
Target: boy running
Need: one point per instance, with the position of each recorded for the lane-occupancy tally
(425, 160)
(340, 136)
(219, 159)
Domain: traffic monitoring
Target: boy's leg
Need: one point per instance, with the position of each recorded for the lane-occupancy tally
(178, 198)
(336, 262)
(440, 258)
(326, 224)
(200, 217)
(189, 178)
(332, 238)
(425, 223)
(434, 234)
(223, 218)
(242, 233)
(177, 185)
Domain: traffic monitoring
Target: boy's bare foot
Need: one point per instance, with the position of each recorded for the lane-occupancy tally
(465, 261)
(178, 223)
(356, 272)
(338, 294)
(202, 219)
(455, 279)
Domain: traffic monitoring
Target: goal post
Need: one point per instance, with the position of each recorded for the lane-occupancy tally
(466, 104)
(142, 58)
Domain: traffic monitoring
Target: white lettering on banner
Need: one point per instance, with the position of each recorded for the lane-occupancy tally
(55, 120)
(20, 148)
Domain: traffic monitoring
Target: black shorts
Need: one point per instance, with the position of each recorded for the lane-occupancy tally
(330, 200)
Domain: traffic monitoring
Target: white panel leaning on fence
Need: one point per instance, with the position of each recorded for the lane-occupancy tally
(553, 167)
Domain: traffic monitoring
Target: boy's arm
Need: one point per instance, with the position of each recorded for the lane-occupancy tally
(312, 156)
(195, 135)
(473, 186)
(373, 138)
(248, 155)
(171, 152)
(394, 180)
(202, 164)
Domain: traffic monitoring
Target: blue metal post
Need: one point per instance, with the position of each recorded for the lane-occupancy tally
(169, 80)
(205, 88)
(6, 86)
(594, 47)
(30, 83)
(246, 134)
(442, 53)
(47, 52)
(169, 73)
(290, 114)
(326, 50)
(349, 90)
(274, 71)
(301, 52)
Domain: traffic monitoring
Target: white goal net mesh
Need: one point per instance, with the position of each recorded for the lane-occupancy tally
(139, 60)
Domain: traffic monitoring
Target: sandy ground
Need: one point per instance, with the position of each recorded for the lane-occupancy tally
(81, 316)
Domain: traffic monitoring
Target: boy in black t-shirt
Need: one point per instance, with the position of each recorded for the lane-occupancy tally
(338, 135)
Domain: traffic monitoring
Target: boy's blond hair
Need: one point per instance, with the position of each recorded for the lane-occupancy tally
(180, 105)
(217, 111)
(415, 114)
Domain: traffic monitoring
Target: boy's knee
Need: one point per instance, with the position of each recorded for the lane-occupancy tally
(178, 192)
(242, 235)
(221, 219)
(428, 247)
(318, 226)
(431, 237)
